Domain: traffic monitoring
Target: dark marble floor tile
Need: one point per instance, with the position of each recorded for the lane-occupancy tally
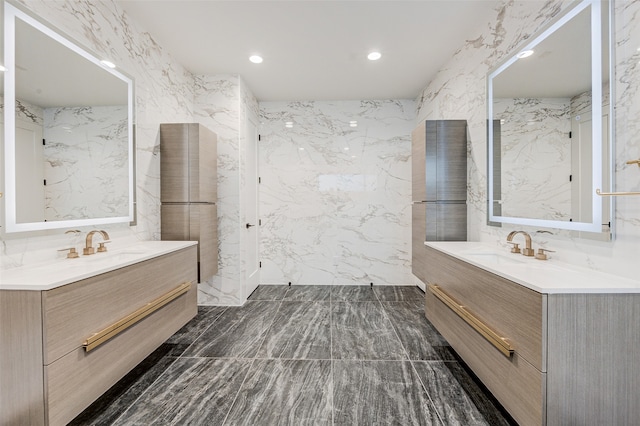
(284, 392)
(308, 293)
(301, 330)
(193, 391)
(379, 393)
(361, 330)
(120, 396)
(269, 292)
(352, 293)
(238, 332)
(393, 293)
(206, 316)
(458, 399)
(418, 336)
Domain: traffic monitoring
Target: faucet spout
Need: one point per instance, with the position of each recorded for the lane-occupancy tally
(528, 250)
(88, 249)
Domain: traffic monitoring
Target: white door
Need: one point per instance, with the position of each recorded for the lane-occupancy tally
(581, 160)
(251, 204)
(30, 199)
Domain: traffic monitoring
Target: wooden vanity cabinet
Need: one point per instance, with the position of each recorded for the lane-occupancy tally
(575, 356)
(55, 377)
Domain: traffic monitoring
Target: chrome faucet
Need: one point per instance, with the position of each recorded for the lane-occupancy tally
(527, 251)
(88, 249)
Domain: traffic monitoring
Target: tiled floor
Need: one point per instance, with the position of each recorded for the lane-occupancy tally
(303, 355)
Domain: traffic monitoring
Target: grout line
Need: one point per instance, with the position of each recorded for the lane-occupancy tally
(332, 380)
(204, 331)
(175, 359)
(415, 371)
(253, 360)
(151, 385)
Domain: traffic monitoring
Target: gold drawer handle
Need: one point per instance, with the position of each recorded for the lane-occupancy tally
(118, 327)
(487, 332)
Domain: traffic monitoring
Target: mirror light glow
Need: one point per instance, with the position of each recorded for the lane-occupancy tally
(595, 225)
(11, 15)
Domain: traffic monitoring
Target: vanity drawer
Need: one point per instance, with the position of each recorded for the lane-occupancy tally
(516, 312)
(517, 384)
(74, 312)
(78, 378)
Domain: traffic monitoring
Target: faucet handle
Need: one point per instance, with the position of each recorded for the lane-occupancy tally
(72, 252)
(541, 253)
(101, 247)
(515, 248)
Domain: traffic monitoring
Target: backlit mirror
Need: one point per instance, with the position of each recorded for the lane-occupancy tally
(546, 154)
(68, 132)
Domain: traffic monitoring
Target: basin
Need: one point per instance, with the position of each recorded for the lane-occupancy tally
(493, 258)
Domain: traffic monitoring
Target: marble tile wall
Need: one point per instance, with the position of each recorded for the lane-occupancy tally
(458, 91)
(86, 162)
(335, 199)
(223, 104)
(164, 92)
(535, 159)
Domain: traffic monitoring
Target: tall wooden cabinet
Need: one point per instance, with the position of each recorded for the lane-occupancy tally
(439, 186)
(188, 182)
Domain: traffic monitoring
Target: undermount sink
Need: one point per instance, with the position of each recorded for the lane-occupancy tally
(495, 258)
(50, 275)
(114, 256)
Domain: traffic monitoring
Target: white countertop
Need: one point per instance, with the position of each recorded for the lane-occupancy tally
(65, 271)
(543, 276)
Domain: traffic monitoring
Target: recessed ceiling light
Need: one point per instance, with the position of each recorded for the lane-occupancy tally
(301, 149)
(288, 124)
(353, 123)
(524, 54)
(108, 63)
(374, 56)
(255, 59)
(346, 148)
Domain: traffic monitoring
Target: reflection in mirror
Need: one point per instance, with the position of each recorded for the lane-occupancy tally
(69, 139)
(543, 171)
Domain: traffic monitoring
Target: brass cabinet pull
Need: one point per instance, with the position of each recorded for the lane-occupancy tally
(118, 327)
(615, 194)
(487, 332)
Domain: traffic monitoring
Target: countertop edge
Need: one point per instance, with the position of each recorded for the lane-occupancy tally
(8, 282)
(624, 285)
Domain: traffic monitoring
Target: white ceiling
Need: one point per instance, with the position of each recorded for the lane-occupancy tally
(315, 50)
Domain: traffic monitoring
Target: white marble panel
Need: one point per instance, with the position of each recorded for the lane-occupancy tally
(458, 91)
(334, 199)
(164, 92)
(86, 162)
(218, 104)
(536, 157)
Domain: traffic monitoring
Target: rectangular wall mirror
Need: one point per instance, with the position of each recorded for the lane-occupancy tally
(68, 131)
(546, 153)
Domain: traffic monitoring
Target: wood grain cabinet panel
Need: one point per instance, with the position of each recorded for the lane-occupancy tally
(513, 310)
(576, 355)
(188, 160)
(21, 375)
(517, 384)
(188, 180)
(75, 311)
(79, 378)
(418, 237)
(418, 161)
(194, 222)
(47, 377)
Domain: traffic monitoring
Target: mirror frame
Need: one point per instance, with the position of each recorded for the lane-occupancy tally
(596, 89)
(11, 13)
